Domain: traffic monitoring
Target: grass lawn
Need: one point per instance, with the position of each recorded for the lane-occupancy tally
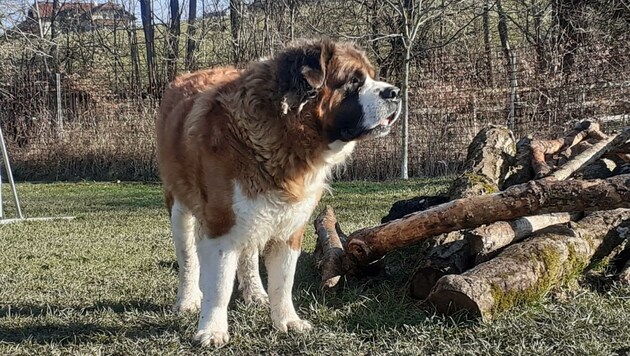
(104, 284)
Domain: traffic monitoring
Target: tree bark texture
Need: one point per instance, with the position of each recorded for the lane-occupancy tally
(533, 198)
(525, 271)
(329, 248)
(489, 157)
(486, 240)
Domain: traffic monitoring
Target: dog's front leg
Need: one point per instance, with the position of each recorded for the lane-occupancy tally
(281, 258)
(218, 258)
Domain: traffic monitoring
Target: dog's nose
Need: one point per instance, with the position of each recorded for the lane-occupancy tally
(391, 92)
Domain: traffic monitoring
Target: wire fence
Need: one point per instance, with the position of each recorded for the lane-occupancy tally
(86, 125)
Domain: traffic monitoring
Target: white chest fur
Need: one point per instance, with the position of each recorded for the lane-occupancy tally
(268, 217)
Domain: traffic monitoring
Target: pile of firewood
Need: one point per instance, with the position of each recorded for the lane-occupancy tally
(524, 217)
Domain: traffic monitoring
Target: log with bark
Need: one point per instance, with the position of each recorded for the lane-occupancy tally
(329, 249)
(522, 171)
(467, 248)
(533, 198)
(489, 157)
(527, 270)
(485, 241)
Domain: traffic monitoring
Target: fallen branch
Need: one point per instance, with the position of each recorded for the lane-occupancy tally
(329, 249)
(590, 155)
(533, 198)
(539, 148)
(526, 270)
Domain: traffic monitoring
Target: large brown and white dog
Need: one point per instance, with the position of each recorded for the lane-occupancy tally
(244, 156)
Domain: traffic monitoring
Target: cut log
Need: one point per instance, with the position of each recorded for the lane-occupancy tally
(470, 247)
(489, 157)
(329, 248)
(525, 271)
(590, 155)
(486, 240)
(450, 258)
(533, 198)
(540, 148)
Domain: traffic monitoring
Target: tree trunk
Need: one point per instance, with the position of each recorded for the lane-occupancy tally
(191, 42)
(536, 197)
(487, 44)
(149, 39)
(174, 32)
(236, 13)
(510, 61)
(54, 47)
(404, 164)
(489, 157)
(525, 271)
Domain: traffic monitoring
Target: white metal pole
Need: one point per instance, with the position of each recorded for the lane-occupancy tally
(7, 167)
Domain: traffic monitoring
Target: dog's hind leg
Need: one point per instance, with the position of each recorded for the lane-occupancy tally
(248, 275)
(183, 225)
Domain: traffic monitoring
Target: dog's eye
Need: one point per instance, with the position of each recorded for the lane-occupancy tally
(355, 80)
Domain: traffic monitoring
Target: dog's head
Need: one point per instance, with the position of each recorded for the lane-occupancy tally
(338, 79)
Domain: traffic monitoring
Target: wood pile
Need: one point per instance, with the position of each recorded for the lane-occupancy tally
(525, 216)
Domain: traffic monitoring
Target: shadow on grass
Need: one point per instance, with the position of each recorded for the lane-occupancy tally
(45, 310)
(378, 302)
(61, 331)
(73, 333)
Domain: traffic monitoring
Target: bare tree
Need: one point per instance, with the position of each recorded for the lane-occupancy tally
(146, 13)
(191, 43)
(412, 14)
(510, 60)
(174, 32)
(236, 16)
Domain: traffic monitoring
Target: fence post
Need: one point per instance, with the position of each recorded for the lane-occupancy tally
(59, 109)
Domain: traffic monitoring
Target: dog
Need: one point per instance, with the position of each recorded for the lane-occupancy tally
(244, 156)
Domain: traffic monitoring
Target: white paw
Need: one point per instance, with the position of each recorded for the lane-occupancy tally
(187, 305)
(257, 297)
(297, 325)
(212, 338)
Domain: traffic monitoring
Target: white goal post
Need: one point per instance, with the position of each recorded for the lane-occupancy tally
(7, 168)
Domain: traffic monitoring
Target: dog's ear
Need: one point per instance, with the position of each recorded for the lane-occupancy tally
(302, 72)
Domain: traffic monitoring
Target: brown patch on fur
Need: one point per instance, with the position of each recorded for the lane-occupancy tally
(295, 241)
(220, 126)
